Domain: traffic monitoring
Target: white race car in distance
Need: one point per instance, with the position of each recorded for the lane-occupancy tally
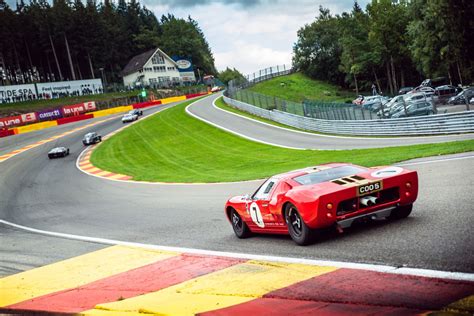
(129, 118)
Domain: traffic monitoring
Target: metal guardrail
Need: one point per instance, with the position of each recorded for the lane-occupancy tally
(439, 124)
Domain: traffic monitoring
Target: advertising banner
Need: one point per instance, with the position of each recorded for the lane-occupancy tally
(17, 93)
(67, 88)
(49, 114)
(10, 121)
(185, 68)
(77, 109)
(28, 118)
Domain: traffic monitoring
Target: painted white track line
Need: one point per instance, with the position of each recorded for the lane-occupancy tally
(339, 264)
(316, 134)
(433, 161)
(237, 133)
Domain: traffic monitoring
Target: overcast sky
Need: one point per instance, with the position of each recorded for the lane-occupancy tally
(245, 34)
(249, 35)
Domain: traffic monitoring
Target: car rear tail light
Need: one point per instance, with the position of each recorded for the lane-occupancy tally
(329, 206)
(407, 194)
(408, 185)
(329, 215)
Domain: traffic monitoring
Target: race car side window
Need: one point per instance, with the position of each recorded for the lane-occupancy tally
(263, 193)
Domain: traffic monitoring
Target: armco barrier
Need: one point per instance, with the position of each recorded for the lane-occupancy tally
(6, 132)
(439, 124)
(146, 104)
(70, 119)
(35, 127)
(194, 95)
(173, 99)
(112, 111)
(77, 118)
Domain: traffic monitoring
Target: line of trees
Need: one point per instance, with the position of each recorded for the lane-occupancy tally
(392, 44)
(77, 39)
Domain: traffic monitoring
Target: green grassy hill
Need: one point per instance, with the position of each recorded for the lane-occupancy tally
(298, 87)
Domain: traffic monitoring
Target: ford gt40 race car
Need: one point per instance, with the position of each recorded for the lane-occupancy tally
(301, 202)
(129, 118)
(58, 152)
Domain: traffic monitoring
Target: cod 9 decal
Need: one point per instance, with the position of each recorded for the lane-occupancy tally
(369, 188)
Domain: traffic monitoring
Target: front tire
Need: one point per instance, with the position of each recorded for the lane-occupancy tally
(241, 229)
(401, 212)
(299, 231)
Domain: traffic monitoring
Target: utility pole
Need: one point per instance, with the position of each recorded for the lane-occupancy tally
(104, 83)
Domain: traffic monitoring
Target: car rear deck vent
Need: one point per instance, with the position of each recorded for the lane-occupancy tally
(358, 178)
(339, 182)
(348, 180)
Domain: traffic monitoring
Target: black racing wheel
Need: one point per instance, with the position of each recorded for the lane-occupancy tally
(299, 231)
(241, 229)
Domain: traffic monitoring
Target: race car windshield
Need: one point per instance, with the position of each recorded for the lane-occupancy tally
(328, 175)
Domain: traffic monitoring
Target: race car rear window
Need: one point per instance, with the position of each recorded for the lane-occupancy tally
(328, 175)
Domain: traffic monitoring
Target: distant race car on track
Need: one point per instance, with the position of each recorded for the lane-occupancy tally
(129, 118)
(137, 112)
(58, 152)
(91, 138)
(302, 202)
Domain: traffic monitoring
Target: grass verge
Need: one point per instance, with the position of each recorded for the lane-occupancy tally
(298, 87)
(172, 146)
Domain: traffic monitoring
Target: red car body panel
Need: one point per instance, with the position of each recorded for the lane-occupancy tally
(399, 187)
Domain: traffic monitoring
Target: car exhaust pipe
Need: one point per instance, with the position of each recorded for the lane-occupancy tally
(368, 200)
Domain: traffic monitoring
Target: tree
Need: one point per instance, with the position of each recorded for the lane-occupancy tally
(317, 51)
(229, 74)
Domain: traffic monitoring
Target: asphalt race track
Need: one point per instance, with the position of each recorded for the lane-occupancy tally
(55, 196)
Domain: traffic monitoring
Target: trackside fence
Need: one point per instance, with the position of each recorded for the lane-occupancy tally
(337, 118)
(451, 123)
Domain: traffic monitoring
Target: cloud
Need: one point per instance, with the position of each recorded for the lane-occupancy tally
(248, 34)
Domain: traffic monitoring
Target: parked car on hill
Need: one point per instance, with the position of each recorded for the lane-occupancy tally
(422, 89)
(462, 96)
(387, 107)
(405, 90)
(446, 91)
(372, 103)
(303, 202)
(415, 109)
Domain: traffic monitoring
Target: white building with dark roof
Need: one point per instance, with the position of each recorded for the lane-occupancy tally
(151, 68)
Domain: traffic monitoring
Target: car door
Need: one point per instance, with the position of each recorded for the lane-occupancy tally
(258, 206)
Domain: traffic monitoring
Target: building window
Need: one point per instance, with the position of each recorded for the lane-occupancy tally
(163, 79)
(175, 79)
(171, 68)
(159, 68)
(158, 59)
(153, 80)
(148, 69)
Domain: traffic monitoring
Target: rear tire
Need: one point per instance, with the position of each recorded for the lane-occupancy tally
(401, 212)
(299, 231)
(241, 229)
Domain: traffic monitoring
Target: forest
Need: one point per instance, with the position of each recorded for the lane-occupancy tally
(68, 40)
(391, 43)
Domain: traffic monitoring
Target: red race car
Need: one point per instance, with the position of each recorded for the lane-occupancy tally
(303, 201)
